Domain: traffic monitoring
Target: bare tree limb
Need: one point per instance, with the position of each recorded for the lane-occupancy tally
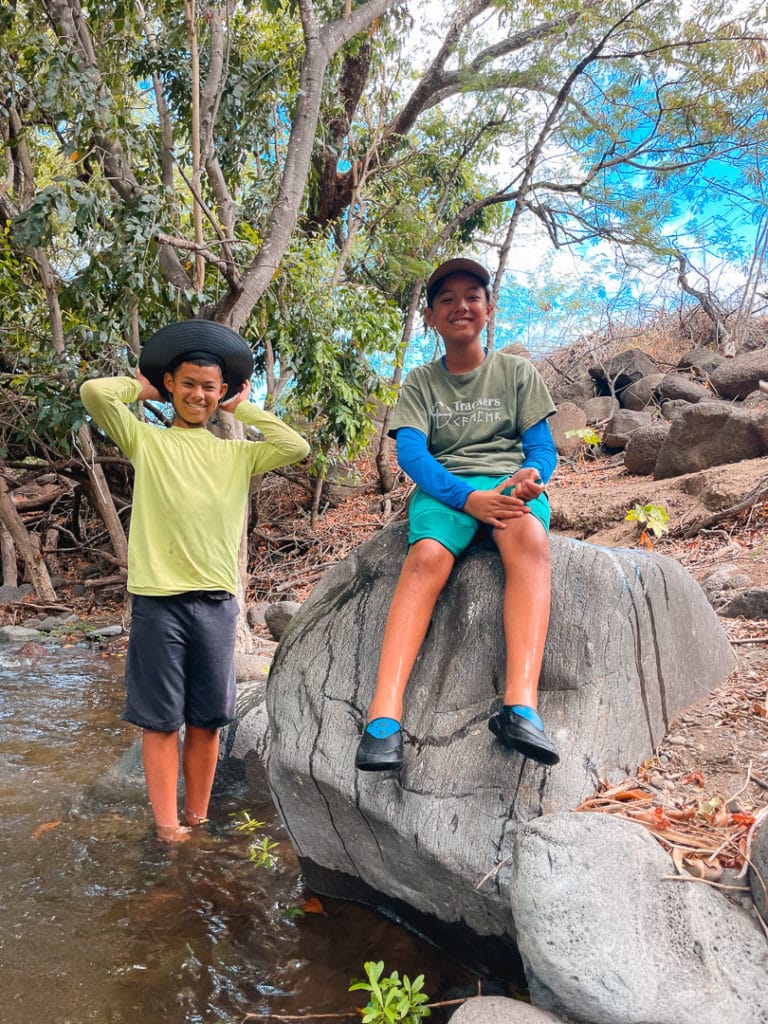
(33, 560)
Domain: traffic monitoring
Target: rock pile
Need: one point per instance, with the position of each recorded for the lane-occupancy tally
(710, 411)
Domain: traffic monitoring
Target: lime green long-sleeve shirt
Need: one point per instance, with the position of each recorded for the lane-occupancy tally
(190, 489)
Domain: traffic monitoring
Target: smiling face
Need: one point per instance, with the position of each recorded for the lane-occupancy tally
(460, 310)
(195, 392)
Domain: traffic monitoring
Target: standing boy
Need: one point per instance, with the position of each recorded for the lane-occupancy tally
(472, 432)
(189, 498)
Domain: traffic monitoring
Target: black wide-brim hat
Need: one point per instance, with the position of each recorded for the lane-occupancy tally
(167, 347)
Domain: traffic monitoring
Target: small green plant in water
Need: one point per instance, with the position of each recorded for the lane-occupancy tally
(653, 518)
(291, 913)
(391, 1000)
(260, 853)
(245, 823)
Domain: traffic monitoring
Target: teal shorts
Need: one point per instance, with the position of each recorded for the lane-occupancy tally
(430, 519)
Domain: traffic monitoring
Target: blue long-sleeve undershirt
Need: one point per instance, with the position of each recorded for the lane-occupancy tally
(423, 468)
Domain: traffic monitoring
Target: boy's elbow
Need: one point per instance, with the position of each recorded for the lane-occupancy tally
(86, 392)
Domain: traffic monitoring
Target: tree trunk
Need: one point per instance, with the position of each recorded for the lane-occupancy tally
(317, 491)
(383, 468)
(50, 549)
(8, 554)
(102, 496)
(33, 560)
(226, 426)
(320, 46)
(244, 639)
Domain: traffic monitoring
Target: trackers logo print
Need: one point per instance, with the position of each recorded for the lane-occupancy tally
(458, 413)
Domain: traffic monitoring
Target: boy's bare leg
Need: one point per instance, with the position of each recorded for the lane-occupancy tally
(160, 753)
(524, 550)
(200, 754)
(425, 572)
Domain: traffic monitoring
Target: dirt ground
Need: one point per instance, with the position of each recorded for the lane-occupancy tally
(720, 746)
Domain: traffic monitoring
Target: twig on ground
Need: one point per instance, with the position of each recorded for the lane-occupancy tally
(743, 788)
(342, 1015)
(757, 493)
(704, 881)
(494, 870)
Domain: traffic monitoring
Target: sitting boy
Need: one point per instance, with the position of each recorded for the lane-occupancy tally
(472, 432)
(189, 499)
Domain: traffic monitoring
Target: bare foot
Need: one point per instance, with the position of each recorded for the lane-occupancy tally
(193, 820)
(173, 833)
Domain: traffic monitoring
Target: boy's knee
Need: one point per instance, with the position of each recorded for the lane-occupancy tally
(529, 546)
(428, 558)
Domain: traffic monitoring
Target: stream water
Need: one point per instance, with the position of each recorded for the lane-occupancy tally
(100, 923)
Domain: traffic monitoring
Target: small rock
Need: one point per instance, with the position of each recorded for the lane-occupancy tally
(677, 741)
(747, 604)
(724, 578)
(31, 649)
(500, 1010)
(278, 615)
(660, 782)
(105, 632)
(250, 667)
(256, 612)
(9, 634)
(51, 622)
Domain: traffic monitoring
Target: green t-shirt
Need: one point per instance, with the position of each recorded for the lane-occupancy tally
(190, 489)
(474, 421)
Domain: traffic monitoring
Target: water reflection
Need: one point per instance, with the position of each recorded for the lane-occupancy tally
(99, 923)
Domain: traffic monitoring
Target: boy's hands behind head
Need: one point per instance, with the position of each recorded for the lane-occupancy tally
(242, 396)
(149, 392)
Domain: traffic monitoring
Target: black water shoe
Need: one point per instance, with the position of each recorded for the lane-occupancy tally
(375, 754)
(519, 734)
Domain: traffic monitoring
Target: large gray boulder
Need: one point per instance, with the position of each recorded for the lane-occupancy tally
(568, 418)
(643, 447)
(10, 594)
(708, 434)
(622, 425)
(642, 393)
(577, 391)
(737, 377)
(606, 937)
(598, 410)
(632, 641)
(678, 387)
(758, 865)
(622, 370)
(703, 360)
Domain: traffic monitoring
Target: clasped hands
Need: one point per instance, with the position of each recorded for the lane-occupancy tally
(495, 508)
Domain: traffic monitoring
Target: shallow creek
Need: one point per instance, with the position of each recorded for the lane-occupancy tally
(99, 923)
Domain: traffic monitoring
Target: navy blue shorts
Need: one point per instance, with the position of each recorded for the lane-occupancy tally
(180, 664)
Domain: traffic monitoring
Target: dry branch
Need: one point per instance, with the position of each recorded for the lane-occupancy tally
(757, 495)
